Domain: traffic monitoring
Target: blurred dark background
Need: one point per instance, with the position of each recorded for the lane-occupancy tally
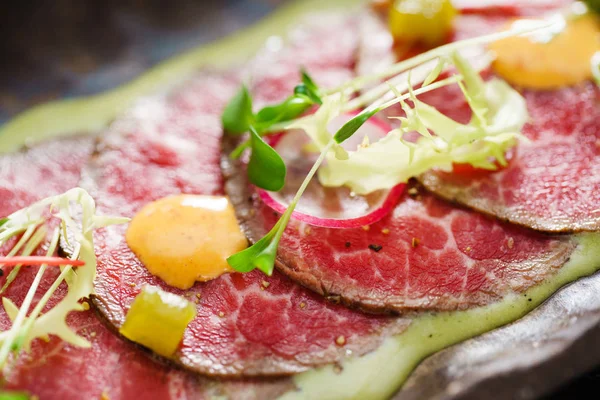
(62, 48)
(51, 49)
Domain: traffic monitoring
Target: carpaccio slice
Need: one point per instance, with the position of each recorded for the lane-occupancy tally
(552, 184)
(425, 255)
(112, 367)
(509, 7)
(249, 325)
(44, 170)
(276, 69)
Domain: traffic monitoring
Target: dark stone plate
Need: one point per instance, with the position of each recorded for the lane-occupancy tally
(527, 359)
(61, 48)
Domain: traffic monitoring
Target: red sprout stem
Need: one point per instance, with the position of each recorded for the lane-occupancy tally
(38, 260)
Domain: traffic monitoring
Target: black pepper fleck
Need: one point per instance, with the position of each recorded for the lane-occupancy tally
(530, 299)
(348, 244)
(1, 272)
(375, 247)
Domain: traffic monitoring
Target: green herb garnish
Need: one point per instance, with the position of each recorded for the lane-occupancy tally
(350, 127)
(237, 116)
(262, 254)
(494, 127)
(266, 168)
(28, 324)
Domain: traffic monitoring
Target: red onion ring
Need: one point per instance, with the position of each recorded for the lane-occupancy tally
(329, 207)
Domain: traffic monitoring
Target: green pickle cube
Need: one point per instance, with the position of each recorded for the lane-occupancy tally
(157, 320)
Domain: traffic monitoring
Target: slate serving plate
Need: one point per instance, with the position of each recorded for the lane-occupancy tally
(65, 48)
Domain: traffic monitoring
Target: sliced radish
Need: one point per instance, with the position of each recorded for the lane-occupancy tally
(324, 206)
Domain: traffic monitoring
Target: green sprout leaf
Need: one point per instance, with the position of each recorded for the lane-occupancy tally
(287, 110)
(308, 88)
(239, 150)
(302, 91)
(350, 127)
(308, 81)
(237, 116)
(262, 254)
(266, 168)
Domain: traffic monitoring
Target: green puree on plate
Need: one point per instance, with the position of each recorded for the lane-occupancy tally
(379, 374)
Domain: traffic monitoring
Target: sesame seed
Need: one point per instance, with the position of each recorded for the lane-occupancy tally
(303, 305)
(221, 314)
(265, 284)
(131, 284)
(468, 249)
(93, 334)
(415, 242)
(198, 295)
(340, 341)
(366, 228)
(385, 231)
(413, 191)
(307, 230)
(85, 305)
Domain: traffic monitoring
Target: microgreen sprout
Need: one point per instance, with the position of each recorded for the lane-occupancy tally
(262, 254)
(499, 113)
(267, 170)
(31, 223)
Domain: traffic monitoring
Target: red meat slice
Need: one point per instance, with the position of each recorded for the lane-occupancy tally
(111, 368)
(46, 169)
(425, 255)
(553, 183)
(247, 324)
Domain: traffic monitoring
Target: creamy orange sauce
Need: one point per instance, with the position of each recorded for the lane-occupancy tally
(186, 238)
(562, 60)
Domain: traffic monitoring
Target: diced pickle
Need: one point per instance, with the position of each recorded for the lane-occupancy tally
(422, 21)
(157, 320)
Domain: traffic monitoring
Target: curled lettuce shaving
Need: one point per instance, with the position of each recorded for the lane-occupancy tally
(316, 125)
(80, 281)
(499, 113)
